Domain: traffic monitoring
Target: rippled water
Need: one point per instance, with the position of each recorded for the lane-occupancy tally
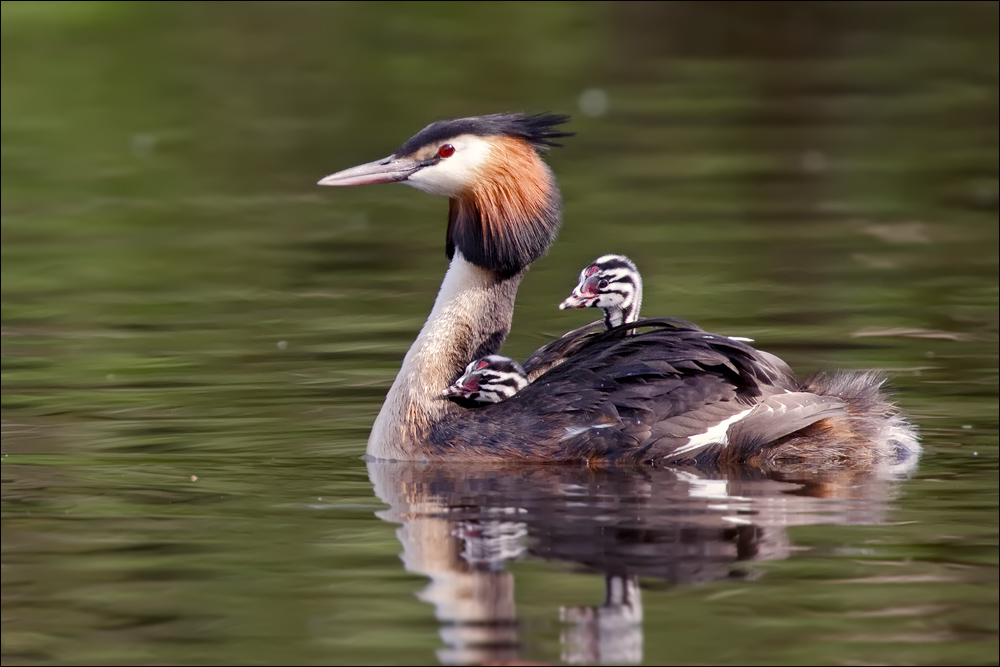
(196, 338)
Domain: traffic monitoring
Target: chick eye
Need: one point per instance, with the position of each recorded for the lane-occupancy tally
(602, 284)
(446, 151)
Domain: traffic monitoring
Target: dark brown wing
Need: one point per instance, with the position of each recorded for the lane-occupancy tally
(551, 355)
(619, 397)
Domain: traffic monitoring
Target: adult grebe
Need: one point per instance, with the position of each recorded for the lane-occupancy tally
(670, 393)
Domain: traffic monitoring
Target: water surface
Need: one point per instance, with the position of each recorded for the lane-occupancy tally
(196, 339)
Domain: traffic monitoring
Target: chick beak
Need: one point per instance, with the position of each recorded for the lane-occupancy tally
(463, 387)
(582, 296)
(574, 300)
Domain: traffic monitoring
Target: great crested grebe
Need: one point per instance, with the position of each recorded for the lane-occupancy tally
(670, 393)
(611, 282)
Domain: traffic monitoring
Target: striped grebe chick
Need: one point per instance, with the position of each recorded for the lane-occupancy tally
(659, 392)
(612, 283)
(490, 379)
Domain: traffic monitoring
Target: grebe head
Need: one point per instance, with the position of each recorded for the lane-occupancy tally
(490, 379)
(505, 205)
(613, 283)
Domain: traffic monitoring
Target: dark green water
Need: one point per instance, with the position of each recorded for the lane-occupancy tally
(196, 338)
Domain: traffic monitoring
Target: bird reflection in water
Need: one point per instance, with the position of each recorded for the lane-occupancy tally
(461, 525)
(610, 633)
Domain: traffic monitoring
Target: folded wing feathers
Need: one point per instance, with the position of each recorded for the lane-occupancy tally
(781, 415)
(643, 395)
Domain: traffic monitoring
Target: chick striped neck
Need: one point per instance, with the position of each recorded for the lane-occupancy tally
(629, 311)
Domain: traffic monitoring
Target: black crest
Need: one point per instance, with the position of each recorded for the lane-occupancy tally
(539, 129)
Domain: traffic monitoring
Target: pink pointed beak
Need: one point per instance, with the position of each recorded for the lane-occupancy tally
(574, 300)
(386, 170)
(582, 297)
(463, 387)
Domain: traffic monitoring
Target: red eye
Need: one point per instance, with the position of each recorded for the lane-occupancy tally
(446, 151)
(482, 364)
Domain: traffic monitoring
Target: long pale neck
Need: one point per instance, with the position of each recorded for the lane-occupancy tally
(471, 318)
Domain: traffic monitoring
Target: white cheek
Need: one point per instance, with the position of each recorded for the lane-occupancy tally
(435, 181)
(452, 175)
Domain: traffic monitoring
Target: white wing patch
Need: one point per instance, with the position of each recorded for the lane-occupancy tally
(715, 435)
(572, 431)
